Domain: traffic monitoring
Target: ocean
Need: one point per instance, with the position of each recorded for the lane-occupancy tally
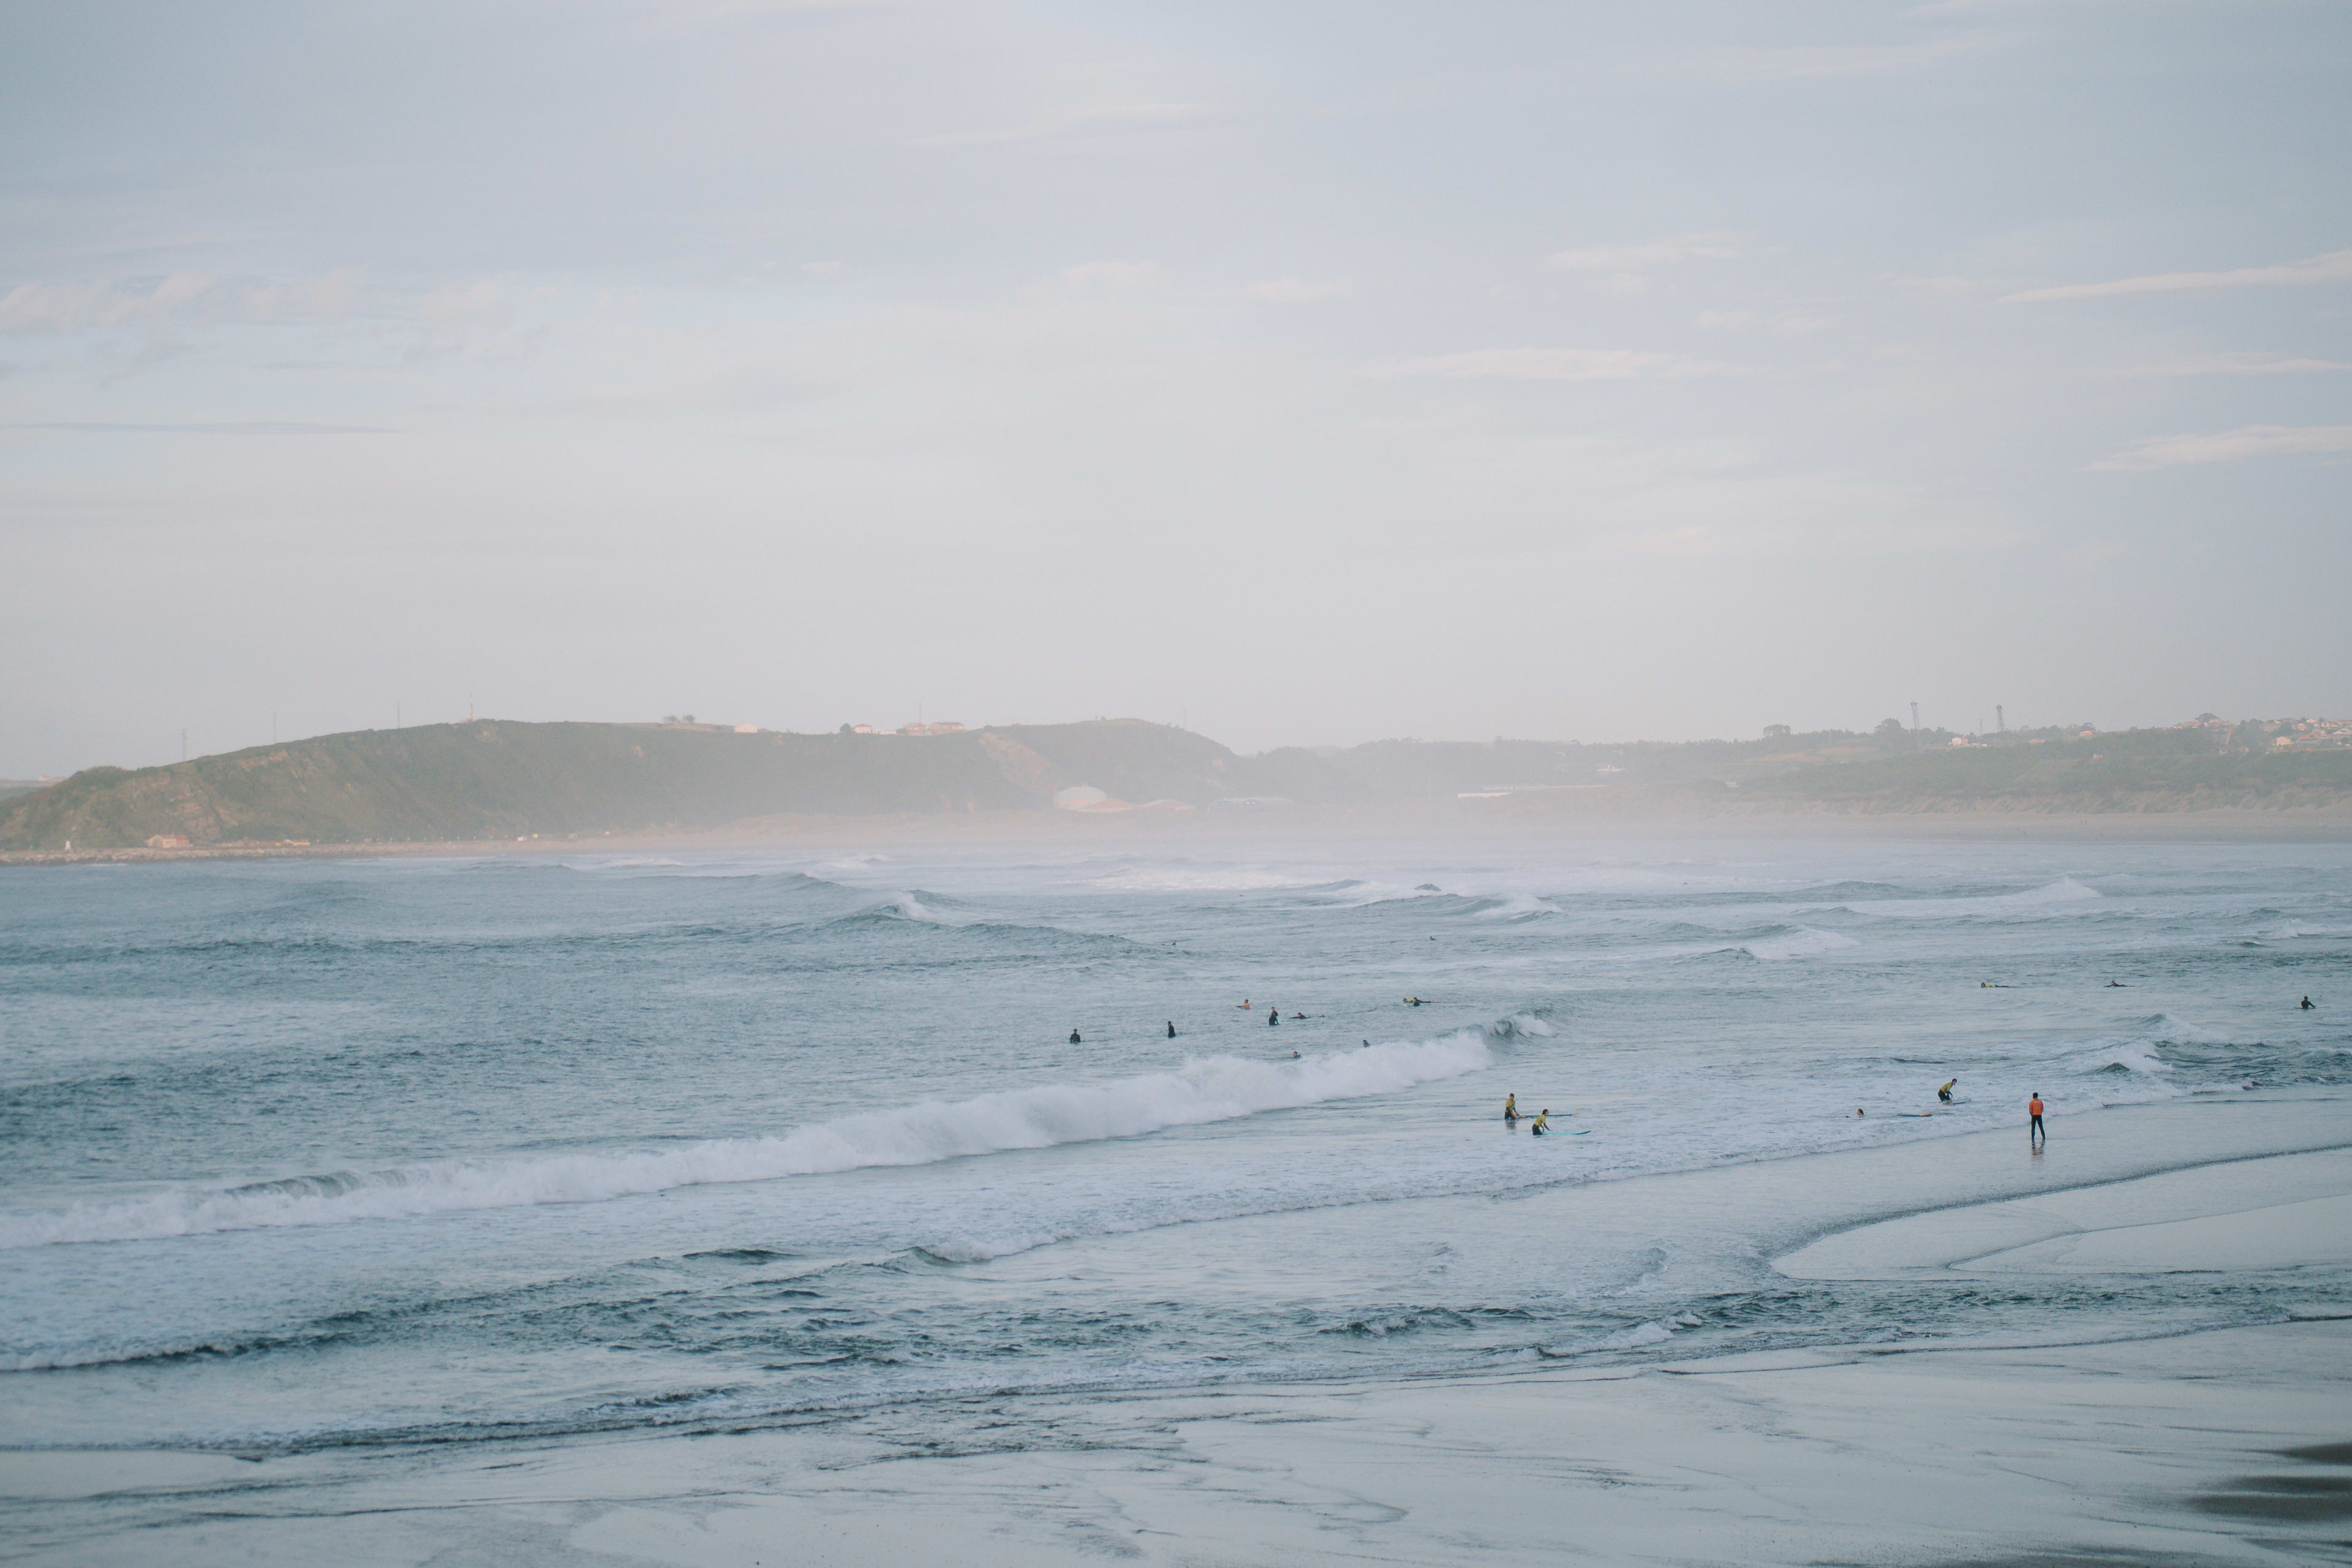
(394, 1154)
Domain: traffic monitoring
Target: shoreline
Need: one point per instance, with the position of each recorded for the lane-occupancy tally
(2224, 1446)
(1447, 818)
(2214, 1444)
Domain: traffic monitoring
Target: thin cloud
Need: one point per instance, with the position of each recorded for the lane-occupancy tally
(221, 428)
(1709, 247)
(181, 297)
(1107, 119)
(1783, 325)
(1552, 364)
(2230, 447)
(1111, 274)
(2241, 364)
(1682, 542)
(1805, 62)
(1288, 292)
(2334, 267)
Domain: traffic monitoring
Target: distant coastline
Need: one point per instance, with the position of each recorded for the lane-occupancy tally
(501, 786)
(2216, 825)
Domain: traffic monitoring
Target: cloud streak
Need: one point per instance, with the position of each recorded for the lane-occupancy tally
(181, 296)
(2242, 363)
(2334, 267)
(1552, 364)
(1806, 62)
(2230, 447)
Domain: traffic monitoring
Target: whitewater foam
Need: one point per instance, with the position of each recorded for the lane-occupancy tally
(1801, 941)
(1204, 1090)
(2030, 901)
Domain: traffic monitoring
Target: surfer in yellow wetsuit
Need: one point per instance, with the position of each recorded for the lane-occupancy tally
(1542, 1120)
(1510, 1108)
(1945, 1093)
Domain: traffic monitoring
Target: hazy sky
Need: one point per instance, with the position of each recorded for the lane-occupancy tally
(1309, 373)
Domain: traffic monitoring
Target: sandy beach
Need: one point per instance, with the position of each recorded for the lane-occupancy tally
(1470, 820)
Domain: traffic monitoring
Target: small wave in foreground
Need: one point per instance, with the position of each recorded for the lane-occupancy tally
(1212, 1089)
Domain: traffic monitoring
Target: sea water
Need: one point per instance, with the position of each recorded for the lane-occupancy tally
(416, 1151)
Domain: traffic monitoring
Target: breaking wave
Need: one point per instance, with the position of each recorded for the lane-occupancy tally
(1212, 1089)
(1795, 941)
(2029, 901)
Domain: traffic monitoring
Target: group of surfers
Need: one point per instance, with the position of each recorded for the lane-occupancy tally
(1538, 1124)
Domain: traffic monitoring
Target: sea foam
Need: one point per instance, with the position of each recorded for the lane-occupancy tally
(1209, 1088)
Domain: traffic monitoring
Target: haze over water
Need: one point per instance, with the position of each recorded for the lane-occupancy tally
(330, 1153)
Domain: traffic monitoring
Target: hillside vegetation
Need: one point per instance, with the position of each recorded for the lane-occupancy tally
(495, 779)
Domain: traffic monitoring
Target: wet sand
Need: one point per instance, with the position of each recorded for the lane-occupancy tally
(2227, 1446)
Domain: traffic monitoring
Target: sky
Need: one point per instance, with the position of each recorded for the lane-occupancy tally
(1305, 374)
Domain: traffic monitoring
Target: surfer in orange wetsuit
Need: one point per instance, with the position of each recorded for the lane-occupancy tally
(2033, 1131)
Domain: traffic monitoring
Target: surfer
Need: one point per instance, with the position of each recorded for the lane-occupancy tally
(1945, 1093)
(1542, 1120)
(1857, 1111)
(1413, 1002)
(1273, 1018)
(1294, 1055)
(1510, 1108)
(1074, 1037)
(2306, 1005)
(2114, 985)
(2033, 1131)
(1298, 1015)
(1172, 1028)
(1244, 1003)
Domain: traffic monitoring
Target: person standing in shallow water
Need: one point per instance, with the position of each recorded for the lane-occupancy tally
(1172, 1028)
(1074, 1037)
(2034, 1132)
(1273, 1017)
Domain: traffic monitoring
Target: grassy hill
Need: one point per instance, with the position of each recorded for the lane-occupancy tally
(495, 779)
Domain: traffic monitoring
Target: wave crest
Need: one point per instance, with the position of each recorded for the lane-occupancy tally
(1204, 1090)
